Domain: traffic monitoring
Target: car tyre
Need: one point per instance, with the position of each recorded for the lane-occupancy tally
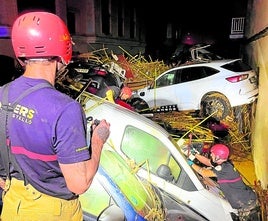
(139, 105)
(218, 104)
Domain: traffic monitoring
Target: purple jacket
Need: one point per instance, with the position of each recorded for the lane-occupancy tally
(47, 128)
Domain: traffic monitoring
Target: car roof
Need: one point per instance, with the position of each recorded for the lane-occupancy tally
(213, 64)
(210, 63)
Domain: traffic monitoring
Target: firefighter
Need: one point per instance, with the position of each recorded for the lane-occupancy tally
(52, 158)
(241, 196)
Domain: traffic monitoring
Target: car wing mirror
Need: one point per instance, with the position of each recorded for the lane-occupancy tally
(164, 172)
(112, 213)
(151, 85)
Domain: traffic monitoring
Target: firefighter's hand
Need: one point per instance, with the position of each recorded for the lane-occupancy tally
(189, 153)
(101, 130)
(185, 149)
(189, 149)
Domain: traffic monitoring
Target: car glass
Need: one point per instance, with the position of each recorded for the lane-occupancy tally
(188, 74)
(96, 191)
(112, 213)
(196, 73)
(208, 71)
(237, 66)
(177, 77)
(166, 80)
(149, 152)
(147, 149)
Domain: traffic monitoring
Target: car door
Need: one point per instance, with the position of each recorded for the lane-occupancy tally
(190, 87)
(162, 92)
(193, 83)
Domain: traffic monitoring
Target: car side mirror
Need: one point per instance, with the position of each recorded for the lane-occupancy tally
(151, 85)
(112, 213)
(164, 172)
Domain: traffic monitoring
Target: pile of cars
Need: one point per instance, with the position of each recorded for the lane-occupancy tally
(143, 174)
(141, 152)
(209, 84)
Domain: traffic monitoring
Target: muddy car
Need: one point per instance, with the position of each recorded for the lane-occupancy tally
(155, 156)
(112, 196)
(214, 87)
(118, 194)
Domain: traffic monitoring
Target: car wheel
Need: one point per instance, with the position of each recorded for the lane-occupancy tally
(139, 105)
(217, 104)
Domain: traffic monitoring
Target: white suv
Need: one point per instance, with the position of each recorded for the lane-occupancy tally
(214, 86)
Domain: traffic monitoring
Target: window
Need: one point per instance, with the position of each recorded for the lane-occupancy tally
(71, 22)
(106, 16)
(145, 148)
(97, 191)
(196, 73)
(48, 5)
(208, 71)
(133, 22)
(189, 74)
(120, 19)
(167, 79)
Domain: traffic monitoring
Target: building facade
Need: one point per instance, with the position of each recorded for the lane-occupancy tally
(93, 24)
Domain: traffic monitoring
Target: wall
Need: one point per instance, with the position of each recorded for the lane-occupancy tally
(6, 18)
(257, 51)
(88, 35)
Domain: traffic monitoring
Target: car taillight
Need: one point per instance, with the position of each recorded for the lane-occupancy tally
(237, 78)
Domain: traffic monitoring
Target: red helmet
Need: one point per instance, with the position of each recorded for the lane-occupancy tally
(221, 151)
(127, 91)
(41, 35)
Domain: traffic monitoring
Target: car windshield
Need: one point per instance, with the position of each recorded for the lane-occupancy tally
(151, 153)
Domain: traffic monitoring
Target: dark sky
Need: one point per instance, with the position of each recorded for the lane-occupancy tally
(208, 18)
(200, 15)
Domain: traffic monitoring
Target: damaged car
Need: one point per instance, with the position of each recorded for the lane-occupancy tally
(213, 87)
(155, 156)
(112, 195)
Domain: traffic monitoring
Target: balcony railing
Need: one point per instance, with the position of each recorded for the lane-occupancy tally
(237, 28)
